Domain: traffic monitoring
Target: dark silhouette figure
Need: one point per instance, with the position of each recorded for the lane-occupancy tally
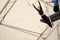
(44, 17)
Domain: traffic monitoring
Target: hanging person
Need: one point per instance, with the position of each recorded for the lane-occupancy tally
(41, 13)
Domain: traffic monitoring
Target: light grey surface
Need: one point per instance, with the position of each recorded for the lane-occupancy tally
(11, 34)
(23, 16)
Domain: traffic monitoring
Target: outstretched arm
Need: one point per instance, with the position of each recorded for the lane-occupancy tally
(39, 3)
(41, 10)
(40, 6)
(35, 7)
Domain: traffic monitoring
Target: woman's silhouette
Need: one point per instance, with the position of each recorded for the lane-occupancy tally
(41, 13)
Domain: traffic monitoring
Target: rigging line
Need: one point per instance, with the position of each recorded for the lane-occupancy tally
(22, 30)
(7, 11)
(51, 32)
(42, 34)
(4, 7)
(58, 32)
